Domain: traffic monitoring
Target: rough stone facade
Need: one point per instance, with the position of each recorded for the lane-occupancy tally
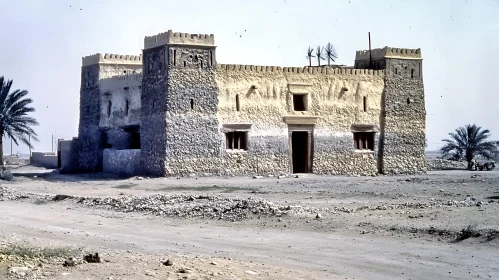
(188, 114)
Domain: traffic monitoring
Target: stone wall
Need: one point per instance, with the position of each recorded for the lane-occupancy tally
(404, 125)
(444, 164)
(47, 160)
(265, 95)
(122, 162)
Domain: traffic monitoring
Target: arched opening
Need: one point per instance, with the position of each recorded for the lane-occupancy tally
(238, 105)
(126, 107)
(364, 101)
(192, 104)
(109, 105)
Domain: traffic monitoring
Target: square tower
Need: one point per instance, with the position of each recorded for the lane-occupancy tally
(179, 125)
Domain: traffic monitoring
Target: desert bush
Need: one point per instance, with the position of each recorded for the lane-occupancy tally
(6, 175)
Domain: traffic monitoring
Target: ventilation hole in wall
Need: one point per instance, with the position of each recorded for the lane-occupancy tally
(174, 57)
(412, 73)
(408, 101)
(238, 106)
(211, 58)
(396, 71)
(124, 71)
(201, 64)
(192, 104)
(365, 103)
(185, 63)
(126, 107)
(109, 105)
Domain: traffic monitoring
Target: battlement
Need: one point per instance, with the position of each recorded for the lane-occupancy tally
(111, 59)
(132, 80)
(298, 70)
(388, 52)
(177, 38)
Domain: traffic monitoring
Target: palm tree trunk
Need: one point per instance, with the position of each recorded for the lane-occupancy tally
(319, 61)
(1, 150)
(310, 61)
(328, 61)
(469, 164)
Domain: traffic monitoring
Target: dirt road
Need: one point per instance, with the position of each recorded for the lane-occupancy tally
(363, 244)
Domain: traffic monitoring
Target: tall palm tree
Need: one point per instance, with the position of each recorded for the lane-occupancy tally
(318, 53)
(14, 121)
(468, 142)
(330, 53)
(310, 52)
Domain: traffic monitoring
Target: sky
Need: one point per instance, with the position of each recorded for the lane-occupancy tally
(43, 41)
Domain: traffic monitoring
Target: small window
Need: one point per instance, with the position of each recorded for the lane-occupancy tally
(396, 71)
(236, 140)
(363, 140)
(364, 101)
(174, 57)
(185, 63)
(408, 101)
(412, 73)
(109, 106)
(300, 102)
(211, 58)
(127, 107)
(201, 64)
(192, 104)
(238, 106)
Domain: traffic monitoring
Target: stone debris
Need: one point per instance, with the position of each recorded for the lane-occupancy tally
(92, 258)
(69, 262)
(19, 271)
(168, 263)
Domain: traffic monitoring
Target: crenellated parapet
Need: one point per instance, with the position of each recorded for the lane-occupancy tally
(121, 81)
(388, 52)
(298, 70)
(107, 58)
(177, 38)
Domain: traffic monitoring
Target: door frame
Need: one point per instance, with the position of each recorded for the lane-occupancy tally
(309, 128)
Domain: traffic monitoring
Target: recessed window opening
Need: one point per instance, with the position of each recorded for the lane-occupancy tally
(201, 64)
(364, 101)
(192, 104)
(236, 140)
(396, 71)
(408, 101)
(363, 140)
(412, 73)
(211, 58)
(174, 57)
(126, 107)
(238, 106)
(185, 63)
(109, 105)
(300, 102)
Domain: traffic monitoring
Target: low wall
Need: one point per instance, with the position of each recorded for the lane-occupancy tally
(122, 162)
(47, 160)
(444, 164)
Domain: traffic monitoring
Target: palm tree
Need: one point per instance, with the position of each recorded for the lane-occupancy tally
(318, 53)
(14, 121)
(330, 53)
(310, 52)
(467, 142)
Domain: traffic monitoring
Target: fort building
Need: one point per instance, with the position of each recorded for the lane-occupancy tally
(173, 110)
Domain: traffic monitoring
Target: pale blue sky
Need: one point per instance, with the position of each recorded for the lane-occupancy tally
(43, 42)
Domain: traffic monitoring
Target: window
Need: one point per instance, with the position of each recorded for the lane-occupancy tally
(192, 104)
(412, 73)
(238, 106)
(126, 107)
(185, 63)
(396, 71)
(236, 140)
(174, 57)
(363, 140)
(365, 103)
(211, 58)
(109, 105)
(300, 102)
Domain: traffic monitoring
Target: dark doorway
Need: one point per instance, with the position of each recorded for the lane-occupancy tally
(300, 150)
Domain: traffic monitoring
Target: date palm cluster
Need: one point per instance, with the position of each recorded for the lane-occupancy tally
(329, 51)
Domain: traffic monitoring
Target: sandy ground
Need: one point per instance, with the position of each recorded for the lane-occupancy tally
(402, 227)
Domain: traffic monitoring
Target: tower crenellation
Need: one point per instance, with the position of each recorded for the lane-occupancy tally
(109, 58)
(388, 52)
(178, 38)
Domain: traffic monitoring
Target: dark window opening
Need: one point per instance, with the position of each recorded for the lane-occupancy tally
(109, 105)
(238, 106)
(211, 58)
(192, 104)
(103, 141)
(124, 71)
(365, 103)
(174, 57)
(185, 63)
(201, 64)
(134, 138)
(408, 101)
(127, 107)
(236, 140)
(300, 102)
(412, 73)
(363, 140)
(396, 71)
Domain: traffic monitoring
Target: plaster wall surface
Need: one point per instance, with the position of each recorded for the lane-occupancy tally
(47, 160)
(122, 162)
(64, 147)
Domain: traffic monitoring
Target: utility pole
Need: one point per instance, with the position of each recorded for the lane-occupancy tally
(370, 55)
(52, 143)
(11, 146)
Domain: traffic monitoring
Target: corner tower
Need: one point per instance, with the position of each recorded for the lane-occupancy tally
(403, 113)
(179, 124)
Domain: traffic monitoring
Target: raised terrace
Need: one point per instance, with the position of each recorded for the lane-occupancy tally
(107, 58)
(177, 38)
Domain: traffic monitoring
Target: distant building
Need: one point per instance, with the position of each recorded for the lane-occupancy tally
(174, 110)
